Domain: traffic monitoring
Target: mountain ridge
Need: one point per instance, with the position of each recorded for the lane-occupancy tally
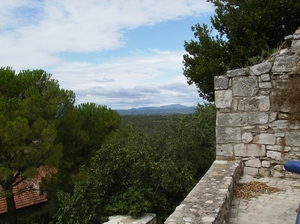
(158, 110)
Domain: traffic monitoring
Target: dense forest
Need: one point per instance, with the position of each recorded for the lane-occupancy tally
(148, 165)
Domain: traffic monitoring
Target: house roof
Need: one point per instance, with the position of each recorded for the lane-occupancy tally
(27, 193)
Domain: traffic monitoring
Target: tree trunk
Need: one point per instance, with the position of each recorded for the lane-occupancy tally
(11, 209)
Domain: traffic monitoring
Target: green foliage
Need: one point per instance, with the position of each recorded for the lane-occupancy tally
(82, 132)
(245, 31)
(137, 171)
(39, 217)
(31, 104)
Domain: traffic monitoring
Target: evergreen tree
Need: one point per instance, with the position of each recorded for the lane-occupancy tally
(247, 31)
(31, 105)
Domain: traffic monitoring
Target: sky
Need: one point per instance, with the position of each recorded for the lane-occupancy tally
(119, 53)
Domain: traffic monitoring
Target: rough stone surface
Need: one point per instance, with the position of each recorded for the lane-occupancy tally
(232, 119)
(274, 155)
(250, 171)
(247, 137)
(261, 68)
(258, 103)
(226, 135)
(264, 138)
(265, 163)
(292, 138)
(258, 118)
(224, 150)
(209, 201)
(284, 64)
(237, 72)
(253, 163)
(246, 150)
(244, 86)
(223, 98)
(221, 82)
(148, 218)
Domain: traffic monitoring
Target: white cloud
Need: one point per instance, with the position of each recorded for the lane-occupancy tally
(39, 29)
(34, 33)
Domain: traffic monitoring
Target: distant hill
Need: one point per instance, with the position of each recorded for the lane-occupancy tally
(162, 110)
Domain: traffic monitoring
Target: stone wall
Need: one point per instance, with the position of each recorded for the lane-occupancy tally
(209, 201)
(249, 125)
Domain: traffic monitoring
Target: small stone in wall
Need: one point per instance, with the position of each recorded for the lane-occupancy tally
(250, 171)
(247, 137)
(265, 163)
(278, 167)
(277, 174)
(274, 155)
(253, 163)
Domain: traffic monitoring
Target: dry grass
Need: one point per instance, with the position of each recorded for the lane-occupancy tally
(289, 95)
(253, 190)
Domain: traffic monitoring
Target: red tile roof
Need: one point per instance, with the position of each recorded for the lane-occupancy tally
(27, 193)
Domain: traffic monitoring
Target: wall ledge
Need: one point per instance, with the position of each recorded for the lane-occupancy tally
(209, 201)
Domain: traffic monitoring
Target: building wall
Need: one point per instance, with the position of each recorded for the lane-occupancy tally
(250, 124)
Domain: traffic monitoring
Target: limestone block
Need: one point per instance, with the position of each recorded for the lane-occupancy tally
(253, 163)
(247, 137)
(258, 118)
(227, 134)
(224, 150)
(274, 155)
(285, 51)
(279, 134)
(223, 98)
(258, 103)
(265, 85)
(284, 108)
(221, 82)
(295, 47)
(245, 150)
(285, 63)
(265, 92)
(292, 139)
(282, 116)
(272, 116)
(277, 174)
(264, 138)
(289, 37)
(296, 36)
(265, 77)
(237, 72)
(281, 124)
(278, 167)
(277, 148)
(148, 218)
(295, 125)
(264, 171)
(265, 163)
(250, 171)
(232, 119)
(245, 86)
(261, 68)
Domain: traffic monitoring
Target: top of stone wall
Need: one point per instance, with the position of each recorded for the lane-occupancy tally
(283, 61)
